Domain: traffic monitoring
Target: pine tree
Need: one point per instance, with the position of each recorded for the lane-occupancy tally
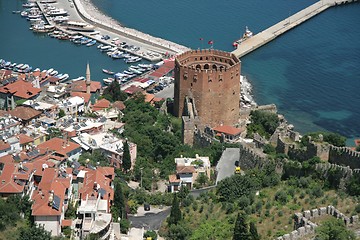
(241, 231)
(175, 214)
(126, 161)
(119, 201)
(253, 231)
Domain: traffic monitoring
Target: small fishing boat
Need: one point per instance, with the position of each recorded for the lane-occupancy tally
(91, 43)
(108, 72)
(108, 81)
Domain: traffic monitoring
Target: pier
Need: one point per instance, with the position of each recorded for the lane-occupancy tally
(285, 25)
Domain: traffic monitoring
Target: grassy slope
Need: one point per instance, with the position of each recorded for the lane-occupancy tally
(274, 219)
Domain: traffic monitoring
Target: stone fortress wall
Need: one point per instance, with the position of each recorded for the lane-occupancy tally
(304, 226)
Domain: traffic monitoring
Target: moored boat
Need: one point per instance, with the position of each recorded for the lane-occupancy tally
(108, 72)
(248, 34)
(108, 81)
(91, 43)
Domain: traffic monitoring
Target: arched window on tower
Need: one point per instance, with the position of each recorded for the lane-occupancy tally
(206, 66)
(198, 66)
(214, 67)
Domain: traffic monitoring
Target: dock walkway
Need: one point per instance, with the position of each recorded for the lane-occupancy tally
(285, 25)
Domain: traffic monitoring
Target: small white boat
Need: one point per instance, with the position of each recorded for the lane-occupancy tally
(64, 77)
(100, 45)
(108, 81)
(19, 65)
(91, 43)
(53, 73)
(78, 79)
(49, 70)
(105, 48)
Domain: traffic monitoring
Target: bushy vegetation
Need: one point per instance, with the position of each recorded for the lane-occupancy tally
(113, 92)
(263, 123)
(158, 139)
(332, 138)
(334, 229)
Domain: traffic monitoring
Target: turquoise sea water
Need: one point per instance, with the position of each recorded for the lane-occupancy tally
(312, 72)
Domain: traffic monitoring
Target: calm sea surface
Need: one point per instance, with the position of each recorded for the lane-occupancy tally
(311, 73)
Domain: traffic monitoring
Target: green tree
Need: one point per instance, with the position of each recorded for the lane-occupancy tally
(334, 229)
(253, 231)
(34, 233)
(178, 232)
(202, 179)
(175, 214)
(151, 234)
(353, 185)
(241, 231)
(113, 92)
(61, 113)
(126, 161)
(263, 123)
(118, 209)
(54, 132)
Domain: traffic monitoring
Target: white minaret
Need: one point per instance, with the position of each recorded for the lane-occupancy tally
(88, 82)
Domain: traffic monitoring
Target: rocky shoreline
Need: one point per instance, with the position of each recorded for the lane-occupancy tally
(247, 99)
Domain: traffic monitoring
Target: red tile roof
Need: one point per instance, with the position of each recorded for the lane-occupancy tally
(133, 89)
(80, 86)
(59, 145)
(119, 105)
(13, 178)
(84, 95)
(94, 181)
(21, 89)
(229, 130)
(49, 187)
(25, 139)
(149, 97)
(4, 146)
(24, 113)
(66, 223)
(185, 169)
(101, 105)
(7, 159)
(173, 179)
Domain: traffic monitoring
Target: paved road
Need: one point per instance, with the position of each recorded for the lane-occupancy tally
(226, 165)
(167, 92)
(151, 221)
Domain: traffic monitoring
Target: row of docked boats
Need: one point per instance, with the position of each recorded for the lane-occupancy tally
(21, 68)
(25, 68)
(115, 53)
(82, 40)
(127, 75)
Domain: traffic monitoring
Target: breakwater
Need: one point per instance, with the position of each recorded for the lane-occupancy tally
(285, 25)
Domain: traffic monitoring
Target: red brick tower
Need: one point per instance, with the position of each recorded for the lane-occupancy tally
(211, 80)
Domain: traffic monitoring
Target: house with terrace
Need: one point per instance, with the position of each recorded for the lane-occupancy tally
(96, 195)
(50, 199)
(187, 171)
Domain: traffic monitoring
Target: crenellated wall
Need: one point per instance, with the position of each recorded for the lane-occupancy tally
(344, 156)
(304, 226)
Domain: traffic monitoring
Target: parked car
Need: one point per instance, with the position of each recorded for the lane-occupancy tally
(146, 207)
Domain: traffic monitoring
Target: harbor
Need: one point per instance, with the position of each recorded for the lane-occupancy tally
(65, 17)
